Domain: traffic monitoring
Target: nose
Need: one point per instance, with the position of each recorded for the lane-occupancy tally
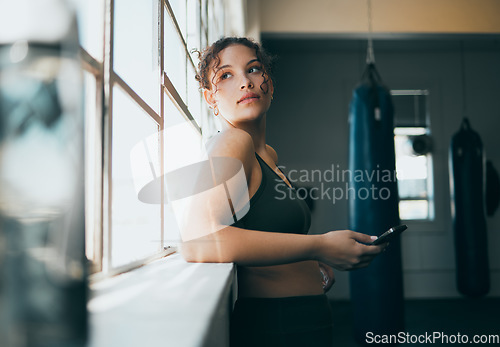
(246, 83)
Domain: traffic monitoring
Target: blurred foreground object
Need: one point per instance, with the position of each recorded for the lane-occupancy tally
(43, 287)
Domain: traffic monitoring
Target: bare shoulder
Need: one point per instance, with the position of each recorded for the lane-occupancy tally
(272, 153)
(234, 143)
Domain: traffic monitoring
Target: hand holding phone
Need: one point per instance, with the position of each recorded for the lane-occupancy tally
(389, 234)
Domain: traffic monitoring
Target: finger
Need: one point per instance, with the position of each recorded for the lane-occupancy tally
(371, 251)
(363, 238)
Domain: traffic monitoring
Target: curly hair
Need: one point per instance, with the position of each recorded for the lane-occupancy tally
(211, 55)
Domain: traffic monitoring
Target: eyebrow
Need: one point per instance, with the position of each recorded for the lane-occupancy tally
(226, 66)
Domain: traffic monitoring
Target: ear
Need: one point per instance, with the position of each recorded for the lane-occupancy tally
(209, 96)
(271, 86)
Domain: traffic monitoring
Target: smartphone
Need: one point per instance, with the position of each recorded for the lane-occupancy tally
(389, 234)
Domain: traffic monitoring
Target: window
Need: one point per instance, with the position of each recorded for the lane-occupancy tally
(91, 25)
(144, 117)
(414, 175)
(413, 149)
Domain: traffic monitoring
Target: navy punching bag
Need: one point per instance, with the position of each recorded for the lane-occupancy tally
(376, 291)
(468, 211)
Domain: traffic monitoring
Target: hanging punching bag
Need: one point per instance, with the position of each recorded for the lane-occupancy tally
(376, 291)
(468, 211)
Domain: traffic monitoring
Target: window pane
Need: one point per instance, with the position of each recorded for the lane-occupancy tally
(414, 174)
(204, 22)
(414, 209)
(182, 140)
(219, 17)
(410, 108)
(172, 231)
(204, 7)
(193, 28)
(175, 58)
(412, 189)
(179, 8)
(215, 20)
(136, 49)
(212, 23)
(90, 15)
(92, 141)
(136, 226)
(182, 148)
(412, 169)
(194, 95)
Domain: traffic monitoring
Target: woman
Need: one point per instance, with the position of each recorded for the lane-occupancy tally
(281, 294)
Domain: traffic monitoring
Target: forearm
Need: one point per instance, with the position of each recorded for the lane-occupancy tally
(251, 248)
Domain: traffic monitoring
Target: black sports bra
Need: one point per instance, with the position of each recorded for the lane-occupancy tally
(275, 206)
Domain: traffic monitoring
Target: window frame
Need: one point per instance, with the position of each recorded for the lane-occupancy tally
(101, 228)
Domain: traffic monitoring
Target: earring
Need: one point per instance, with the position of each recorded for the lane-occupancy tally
(272, 97)
(216, 111)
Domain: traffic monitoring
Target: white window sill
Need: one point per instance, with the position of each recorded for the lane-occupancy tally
(166, 303)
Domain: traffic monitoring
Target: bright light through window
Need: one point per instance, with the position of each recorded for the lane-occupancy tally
(413, 148)
(414, 174)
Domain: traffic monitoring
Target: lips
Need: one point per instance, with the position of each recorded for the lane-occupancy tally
(248, 97)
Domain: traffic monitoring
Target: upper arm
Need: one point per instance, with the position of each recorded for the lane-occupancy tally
(236, 144)
(224, 178)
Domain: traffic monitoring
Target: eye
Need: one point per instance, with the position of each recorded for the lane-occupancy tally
(255, 69)
(225, 75)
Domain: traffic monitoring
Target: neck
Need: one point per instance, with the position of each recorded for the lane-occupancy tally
(256, 129)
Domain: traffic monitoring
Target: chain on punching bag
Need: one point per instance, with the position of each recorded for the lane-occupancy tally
(376, 291)
(468, 211)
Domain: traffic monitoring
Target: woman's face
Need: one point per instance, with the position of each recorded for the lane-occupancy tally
(236, 86)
